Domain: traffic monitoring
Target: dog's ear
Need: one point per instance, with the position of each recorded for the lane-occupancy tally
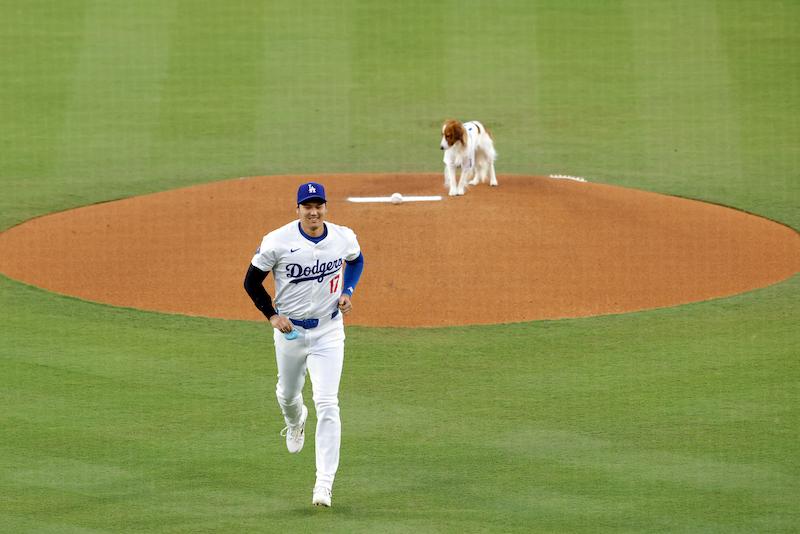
(448, 132)
(454, 132)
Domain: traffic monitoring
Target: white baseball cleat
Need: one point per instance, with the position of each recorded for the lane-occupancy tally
(295, 434)
(322, 497)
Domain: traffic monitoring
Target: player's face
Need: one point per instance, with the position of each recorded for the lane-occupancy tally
(312, 215)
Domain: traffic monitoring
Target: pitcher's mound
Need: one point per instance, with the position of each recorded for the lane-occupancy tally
(533, 248)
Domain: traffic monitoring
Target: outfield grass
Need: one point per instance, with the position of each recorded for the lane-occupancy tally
(682, 419)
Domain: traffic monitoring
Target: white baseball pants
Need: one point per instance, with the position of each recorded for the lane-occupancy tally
(321, 351)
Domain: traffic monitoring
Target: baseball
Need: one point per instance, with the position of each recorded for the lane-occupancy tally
(397, 198)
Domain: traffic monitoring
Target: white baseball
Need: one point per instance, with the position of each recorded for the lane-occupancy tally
(397, 198)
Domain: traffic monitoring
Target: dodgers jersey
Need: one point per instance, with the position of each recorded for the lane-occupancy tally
(466, 158)
(308, 276)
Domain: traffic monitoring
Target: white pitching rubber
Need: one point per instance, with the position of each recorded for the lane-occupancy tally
(390, 200)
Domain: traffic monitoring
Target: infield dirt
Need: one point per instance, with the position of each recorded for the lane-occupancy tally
(533, 248)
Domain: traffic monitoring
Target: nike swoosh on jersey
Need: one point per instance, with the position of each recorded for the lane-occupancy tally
(292, 251)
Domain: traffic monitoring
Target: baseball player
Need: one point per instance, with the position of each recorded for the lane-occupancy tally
(316, 266)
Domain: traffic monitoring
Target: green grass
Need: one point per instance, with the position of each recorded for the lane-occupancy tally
(131, 420)
(681, 419)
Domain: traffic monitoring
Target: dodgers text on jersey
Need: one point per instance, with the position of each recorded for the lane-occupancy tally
(298, 273)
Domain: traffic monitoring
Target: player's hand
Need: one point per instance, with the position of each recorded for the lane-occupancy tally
(344, 304)
(281, 324)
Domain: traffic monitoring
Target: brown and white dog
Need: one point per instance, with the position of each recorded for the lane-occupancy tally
(469, 146)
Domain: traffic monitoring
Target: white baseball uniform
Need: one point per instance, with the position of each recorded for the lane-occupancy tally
(308, 274)
(475, 155)
(465, 158)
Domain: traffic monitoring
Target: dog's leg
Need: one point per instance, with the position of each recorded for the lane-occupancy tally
(492, 176)
(482, 173)
(462, 183)
(450, 180)
(477, 171)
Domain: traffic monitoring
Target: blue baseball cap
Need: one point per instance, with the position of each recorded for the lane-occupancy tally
(310, 191)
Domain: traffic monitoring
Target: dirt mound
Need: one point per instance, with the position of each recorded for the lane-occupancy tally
(533, 248)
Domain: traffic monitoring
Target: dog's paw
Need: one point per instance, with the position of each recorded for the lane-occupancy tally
(474, 181)
(494, 184)
(453, 193)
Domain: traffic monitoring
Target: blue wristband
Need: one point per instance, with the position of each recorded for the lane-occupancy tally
(352, 273)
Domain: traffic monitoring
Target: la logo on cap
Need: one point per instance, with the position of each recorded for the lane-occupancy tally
(310, 190)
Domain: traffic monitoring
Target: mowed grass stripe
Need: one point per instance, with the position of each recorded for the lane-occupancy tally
(208, 114)
(304, 104)
(583, 91)
(40, 41)
(115, 95)
(687, 113)
(759, 45)
(399, 82)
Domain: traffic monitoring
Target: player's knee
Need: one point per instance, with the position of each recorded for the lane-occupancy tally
(327, 408)
(286, 399)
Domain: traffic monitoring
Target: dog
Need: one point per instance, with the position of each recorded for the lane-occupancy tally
(470, 146)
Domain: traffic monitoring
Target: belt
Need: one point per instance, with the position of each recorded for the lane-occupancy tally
(312, 323)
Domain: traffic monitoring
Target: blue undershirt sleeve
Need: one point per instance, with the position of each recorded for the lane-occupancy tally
(352, 273)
